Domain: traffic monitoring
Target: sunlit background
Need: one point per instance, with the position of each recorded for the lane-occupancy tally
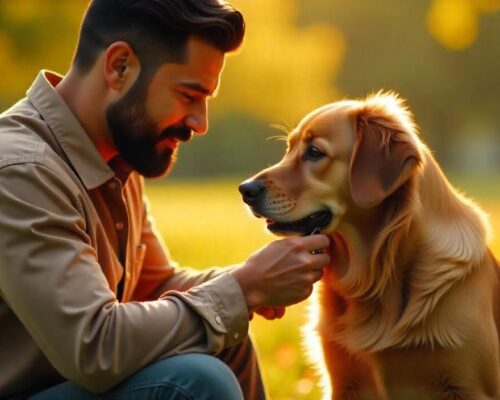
(443, 56)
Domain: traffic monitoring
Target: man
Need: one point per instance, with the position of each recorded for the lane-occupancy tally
(90, 302)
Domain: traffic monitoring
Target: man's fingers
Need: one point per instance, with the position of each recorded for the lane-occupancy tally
(318, 261)
(267, 313)
(316, 243)
(318, 274)
(271, 312)
(279, 312)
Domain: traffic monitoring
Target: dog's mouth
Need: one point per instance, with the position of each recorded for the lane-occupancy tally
(304, 226)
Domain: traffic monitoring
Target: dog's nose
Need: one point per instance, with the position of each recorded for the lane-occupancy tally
(252, 191)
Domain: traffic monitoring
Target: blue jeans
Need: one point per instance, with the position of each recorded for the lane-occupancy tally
(183, 377)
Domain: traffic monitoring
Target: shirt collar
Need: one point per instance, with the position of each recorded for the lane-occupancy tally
(68, 132)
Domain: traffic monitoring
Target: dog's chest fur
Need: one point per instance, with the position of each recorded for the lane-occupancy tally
(373, 356)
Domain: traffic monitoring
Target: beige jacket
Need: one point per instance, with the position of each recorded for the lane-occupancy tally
(71, 229)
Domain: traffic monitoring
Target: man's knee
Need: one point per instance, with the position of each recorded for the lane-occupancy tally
(184, 377)
(199, 375)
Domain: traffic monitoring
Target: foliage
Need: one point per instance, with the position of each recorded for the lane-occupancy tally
(455, 23)
(400, 46)
(442, 55)
(282, 71)
(35, 34)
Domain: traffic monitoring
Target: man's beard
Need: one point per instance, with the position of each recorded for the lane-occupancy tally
(136, 138)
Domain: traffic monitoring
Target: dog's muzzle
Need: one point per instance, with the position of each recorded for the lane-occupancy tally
(252, 192)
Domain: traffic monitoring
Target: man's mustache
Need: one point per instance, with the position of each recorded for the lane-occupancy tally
(181, 133)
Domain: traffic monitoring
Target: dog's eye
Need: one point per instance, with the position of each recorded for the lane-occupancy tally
(312, 153)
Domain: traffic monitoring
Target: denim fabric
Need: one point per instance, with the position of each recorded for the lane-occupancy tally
(184, 377)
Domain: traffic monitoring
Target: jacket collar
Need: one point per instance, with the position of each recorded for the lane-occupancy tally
(68, 132)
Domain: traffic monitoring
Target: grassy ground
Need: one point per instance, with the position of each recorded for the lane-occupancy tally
(206, 224)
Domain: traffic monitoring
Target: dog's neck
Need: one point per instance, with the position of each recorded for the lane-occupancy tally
(356, 241)
(353, 240)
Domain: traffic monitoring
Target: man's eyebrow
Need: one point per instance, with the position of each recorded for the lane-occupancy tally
(197, 88)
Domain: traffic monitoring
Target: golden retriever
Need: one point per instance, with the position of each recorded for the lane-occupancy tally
(409, 308)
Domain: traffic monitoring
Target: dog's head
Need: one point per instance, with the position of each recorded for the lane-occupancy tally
(342, 157)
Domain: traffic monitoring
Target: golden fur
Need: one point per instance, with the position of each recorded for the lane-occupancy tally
(409, 307)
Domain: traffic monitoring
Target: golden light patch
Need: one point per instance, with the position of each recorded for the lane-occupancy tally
(453, 23)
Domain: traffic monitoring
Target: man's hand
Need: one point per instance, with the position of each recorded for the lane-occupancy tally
(268, 312)
(283, 272)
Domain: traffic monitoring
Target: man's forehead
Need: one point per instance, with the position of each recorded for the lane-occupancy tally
(201, 54)
(203, 66)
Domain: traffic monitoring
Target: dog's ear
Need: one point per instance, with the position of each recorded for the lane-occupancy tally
(385, 150)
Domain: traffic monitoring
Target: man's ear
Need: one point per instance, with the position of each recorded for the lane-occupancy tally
(121, 66)
(385, 152)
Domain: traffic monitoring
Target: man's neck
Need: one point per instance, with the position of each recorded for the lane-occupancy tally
(85, 96)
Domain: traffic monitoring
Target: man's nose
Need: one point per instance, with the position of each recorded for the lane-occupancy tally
(197, 120)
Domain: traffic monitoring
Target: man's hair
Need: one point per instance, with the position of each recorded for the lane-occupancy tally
(157, 30)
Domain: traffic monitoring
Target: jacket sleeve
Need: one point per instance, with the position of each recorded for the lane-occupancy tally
(50, 277)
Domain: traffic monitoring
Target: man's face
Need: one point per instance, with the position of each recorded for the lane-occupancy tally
(155, 114)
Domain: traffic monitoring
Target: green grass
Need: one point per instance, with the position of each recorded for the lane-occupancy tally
(206, 224)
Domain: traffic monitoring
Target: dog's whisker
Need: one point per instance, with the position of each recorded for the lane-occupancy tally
(278, 137)
(285, 129)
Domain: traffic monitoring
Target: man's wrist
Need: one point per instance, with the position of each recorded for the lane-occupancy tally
(252, 297)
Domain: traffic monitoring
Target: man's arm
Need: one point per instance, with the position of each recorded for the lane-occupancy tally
(50, 277)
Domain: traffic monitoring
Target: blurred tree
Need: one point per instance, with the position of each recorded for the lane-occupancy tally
(442, 55)
(454, 94)
(35, 34)
(282, 71)
(455, 23)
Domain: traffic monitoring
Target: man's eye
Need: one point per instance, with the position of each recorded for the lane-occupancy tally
(312, 153)
(188, 97)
